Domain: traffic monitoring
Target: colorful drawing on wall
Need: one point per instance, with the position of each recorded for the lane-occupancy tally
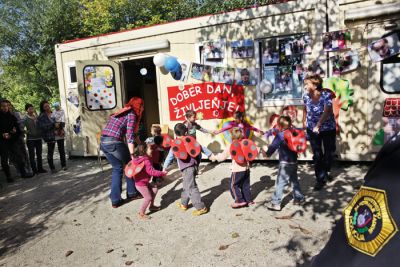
(391, 108)
(213, 50)
(73, 98)
(223, 75)
(77, 126)
(270, 51)
(346, 62)
(213, 100)
(185, 68)
(342, 90)
(384, 47)
(337, 40)
(379, 138)
(246, 76)
(201, 72)
(99, 87)
(242, 48)
(226, 136)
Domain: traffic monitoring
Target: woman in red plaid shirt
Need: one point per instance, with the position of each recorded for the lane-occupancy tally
(122, 125)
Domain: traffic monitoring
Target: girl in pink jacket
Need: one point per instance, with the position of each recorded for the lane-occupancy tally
(143, 154)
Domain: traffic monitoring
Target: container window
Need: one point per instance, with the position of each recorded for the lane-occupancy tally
(390, 75)
(100, 91)
(72, 74)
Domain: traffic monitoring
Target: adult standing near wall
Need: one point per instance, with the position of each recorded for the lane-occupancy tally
(47, 126)
(9, 135)
(33, 140)
(319, 120)
(123, 124)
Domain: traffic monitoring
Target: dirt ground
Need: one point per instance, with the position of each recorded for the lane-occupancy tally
(66, 219)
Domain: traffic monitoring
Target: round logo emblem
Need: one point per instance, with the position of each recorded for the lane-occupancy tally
(368, 223)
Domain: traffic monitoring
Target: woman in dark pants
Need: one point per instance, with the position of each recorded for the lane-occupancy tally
(123, 124)
(47, 127)
(319, 120)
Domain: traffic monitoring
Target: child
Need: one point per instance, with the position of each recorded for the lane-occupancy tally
(143, 153)
(192, 127)
(240, 178)
(238, 117)
(287, 167)
(157, 151)
(188, 167)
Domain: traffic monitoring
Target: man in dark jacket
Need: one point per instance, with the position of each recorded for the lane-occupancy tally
(367, 234)
(9, 134)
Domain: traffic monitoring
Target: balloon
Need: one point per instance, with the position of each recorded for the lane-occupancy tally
(163, 70)
(171, 64)
(159, 59)
(265, 87)
(143, 71)
(177, 74)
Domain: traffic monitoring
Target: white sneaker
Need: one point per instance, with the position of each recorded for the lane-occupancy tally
(272, 206)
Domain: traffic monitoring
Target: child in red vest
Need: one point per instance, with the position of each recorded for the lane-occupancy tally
(142, 154)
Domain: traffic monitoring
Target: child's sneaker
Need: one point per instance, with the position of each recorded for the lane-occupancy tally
(181, 206)
(200, 212)
(299, 201)
(272, 206)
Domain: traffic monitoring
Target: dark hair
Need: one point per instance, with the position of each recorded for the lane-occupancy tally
(140, 150)
(238, 115)
(158, 140)
(316, 80)
(5, 101)
(41, 105)
(28, 106)
(287, 119)
(180, 129)
(190, 113)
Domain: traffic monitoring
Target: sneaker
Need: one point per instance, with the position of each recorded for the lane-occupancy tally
(239, 205)
(299, 201)
(200, 212)
(134, 197)
(118, 204)
(319, 185)
(181, 206)
(272, 206)
(154, 208)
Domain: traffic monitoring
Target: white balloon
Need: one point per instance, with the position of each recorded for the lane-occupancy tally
(265, 87)
(159, 59)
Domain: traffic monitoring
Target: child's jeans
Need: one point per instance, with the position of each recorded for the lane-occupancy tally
(190, 190)
(240, 186)
(287, 173)
(149, 194)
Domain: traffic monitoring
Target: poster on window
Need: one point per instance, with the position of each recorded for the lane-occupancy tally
(99, 87)
(270, 51)
(345, 62)
(185, 67)
(201, 72)
(384, 48)
(337, 40)
(242, 48)
(210, 100)
(223, 75)
(246, 76)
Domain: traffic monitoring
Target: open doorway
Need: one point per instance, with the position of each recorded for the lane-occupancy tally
(140, 81)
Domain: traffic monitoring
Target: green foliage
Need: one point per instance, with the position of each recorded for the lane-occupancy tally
(29, 30)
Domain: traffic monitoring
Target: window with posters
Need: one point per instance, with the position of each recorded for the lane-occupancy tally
(283, 69)
(100, 93)
(390, 69)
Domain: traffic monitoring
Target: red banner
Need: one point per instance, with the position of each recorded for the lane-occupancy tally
(209, 100)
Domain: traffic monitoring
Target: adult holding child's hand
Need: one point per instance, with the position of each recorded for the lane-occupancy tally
(319, 120)
(124, 123)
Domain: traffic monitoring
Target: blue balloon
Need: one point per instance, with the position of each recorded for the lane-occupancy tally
(171, 64)
(177, 74)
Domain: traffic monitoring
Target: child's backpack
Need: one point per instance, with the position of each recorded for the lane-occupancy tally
(132, 169)
(243, 150)
(184, 146)
(295, 139)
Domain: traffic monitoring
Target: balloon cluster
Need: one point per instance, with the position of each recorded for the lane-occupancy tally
(168, 64)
